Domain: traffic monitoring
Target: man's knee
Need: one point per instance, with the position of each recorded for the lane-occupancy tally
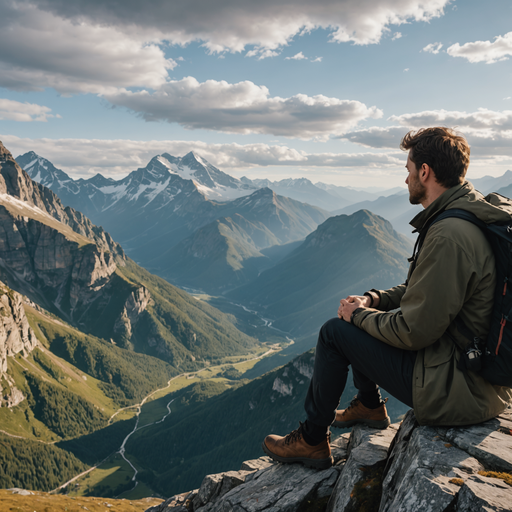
(334, 330)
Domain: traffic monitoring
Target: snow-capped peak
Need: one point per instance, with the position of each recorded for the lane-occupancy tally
(43, 171)
(209, 180)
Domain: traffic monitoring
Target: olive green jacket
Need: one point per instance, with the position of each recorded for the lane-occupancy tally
(454, 276)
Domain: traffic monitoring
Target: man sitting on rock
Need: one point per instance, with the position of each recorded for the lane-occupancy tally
(411, 351)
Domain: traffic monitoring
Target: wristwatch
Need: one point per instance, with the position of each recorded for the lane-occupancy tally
(372, 296)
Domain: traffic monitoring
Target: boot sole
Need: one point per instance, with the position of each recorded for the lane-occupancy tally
(309, 463)
(380, 424)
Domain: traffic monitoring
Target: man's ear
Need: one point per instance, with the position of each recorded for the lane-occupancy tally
(424, 172)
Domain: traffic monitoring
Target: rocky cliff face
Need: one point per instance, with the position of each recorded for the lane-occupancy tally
(56, 256)
(59, 267)
(16, 337)
(17, 184)
(403, 468)
(134, 305)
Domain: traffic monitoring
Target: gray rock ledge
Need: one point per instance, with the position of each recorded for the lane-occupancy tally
(404, 468)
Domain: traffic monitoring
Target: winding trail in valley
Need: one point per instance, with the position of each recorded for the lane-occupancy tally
(138, 408)
(267, 321)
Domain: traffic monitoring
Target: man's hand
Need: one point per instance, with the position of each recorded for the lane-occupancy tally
(365, 300)
(350, 304)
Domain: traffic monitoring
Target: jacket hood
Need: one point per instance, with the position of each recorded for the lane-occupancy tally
(489, 209)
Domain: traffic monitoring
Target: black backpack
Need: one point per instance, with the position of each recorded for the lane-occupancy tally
(491, 358)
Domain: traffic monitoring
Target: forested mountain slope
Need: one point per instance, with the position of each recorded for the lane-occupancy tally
(94, 333)
(64, 263)
(347, 254)
(207, 434)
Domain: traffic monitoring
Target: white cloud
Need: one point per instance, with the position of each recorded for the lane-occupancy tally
(484, 51)
(377, 137)
(95, 47)
(261, 53)
(481, 119)
(301, 56)
(297, 56)
(270, 24)
(396, 35)
(39, 49)
(434, 48)
(406, 69)
(245, 108)
(489, 133)
(11, 110)
(116, 158)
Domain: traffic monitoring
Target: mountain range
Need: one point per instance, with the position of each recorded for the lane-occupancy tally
(397, 209)
(229, 251)
(96, 196)
(324, 195)
(57, 258)
(101, 332)
(157, 213)
(347, 254)
(84, 332)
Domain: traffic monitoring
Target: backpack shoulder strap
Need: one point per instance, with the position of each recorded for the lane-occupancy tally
(444, 214)
(459, 214)
(472, 345)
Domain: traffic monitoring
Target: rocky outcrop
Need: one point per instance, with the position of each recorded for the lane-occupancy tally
(403, 468)
(135, 304)
(17, 184)
(367, 454)
(436, 469)
(261, 485)
(297, 374)
(46, 263)
(16, 337)
(51, 253)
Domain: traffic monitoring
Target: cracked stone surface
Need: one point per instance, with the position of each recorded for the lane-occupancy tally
(216, 486)
(281, 487)
(367, 448)
(277, 488)
(261, 484)
(424, 469)
(177, 503)
(427, 465)
(480, 493)
(488, 442)
(255, 464)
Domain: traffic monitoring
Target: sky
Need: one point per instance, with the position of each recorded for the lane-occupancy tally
(271, 89)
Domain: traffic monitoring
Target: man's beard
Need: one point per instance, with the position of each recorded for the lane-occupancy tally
(417, 193)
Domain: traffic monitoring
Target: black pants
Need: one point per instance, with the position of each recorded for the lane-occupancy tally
(374, 363)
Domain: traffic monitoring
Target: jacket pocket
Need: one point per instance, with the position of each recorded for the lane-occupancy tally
(442, 351)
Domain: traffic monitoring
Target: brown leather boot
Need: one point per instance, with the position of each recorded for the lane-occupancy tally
(293, 448)
(356, 412)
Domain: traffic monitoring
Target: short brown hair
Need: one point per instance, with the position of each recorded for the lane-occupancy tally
(442, 149)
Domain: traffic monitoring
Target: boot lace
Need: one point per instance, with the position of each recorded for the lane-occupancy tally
(355, 402)
(294, 435)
